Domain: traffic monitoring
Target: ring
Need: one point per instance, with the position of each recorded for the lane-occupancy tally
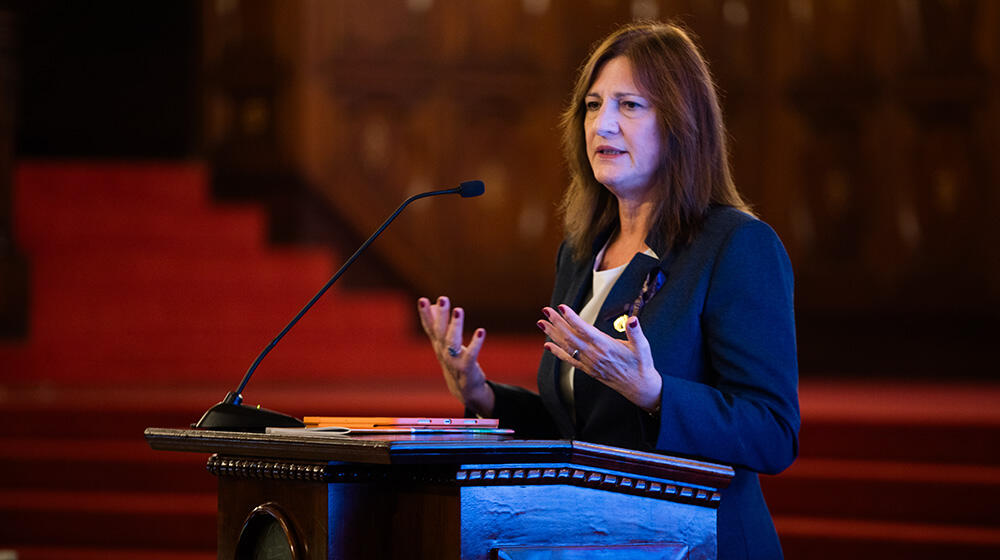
(452, 351)
(576, 354)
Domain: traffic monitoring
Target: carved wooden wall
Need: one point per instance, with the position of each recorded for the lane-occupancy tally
(864, 132)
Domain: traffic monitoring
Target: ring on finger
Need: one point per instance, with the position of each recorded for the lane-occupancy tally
(452, 351)
(576, 354)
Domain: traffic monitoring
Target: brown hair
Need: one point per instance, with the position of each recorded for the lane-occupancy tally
(694, 172)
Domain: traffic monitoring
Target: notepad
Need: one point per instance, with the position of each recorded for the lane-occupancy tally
(340, 431)
(385, 422)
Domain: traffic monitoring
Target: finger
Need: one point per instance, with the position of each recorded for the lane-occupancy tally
(564, 332)
(475, 345)
(453, 337)
(633, 330)
(571, 331)
(563, 355)
(424, 312)
(555, 317)
(439, 313)
(560, 333)
(558, 321)
(574, 320)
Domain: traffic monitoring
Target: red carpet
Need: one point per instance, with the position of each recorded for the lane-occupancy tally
(149, 302)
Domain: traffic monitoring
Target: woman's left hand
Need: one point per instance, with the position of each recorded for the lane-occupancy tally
(623, 365)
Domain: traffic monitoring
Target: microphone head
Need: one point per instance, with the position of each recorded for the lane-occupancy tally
(469, 189)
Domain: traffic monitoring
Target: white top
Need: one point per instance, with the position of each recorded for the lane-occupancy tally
(603, 281)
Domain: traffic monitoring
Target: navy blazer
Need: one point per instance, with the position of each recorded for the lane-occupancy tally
(722, 333)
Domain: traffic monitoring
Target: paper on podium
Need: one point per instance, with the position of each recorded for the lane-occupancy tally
(398, 422)
(328, 426)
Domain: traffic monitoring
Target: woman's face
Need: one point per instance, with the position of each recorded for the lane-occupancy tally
(623, 139)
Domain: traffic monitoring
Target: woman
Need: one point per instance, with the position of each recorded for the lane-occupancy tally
(671, 325)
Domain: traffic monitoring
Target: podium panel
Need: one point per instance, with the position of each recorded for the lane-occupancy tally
(452, 496)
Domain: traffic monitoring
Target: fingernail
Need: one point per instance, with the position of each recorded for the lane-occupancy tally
(546, 313)
(422, 303)
(456, 313)
(633, 323)
(441, 301)
(541, 325)
(563, 308)
(480, 333)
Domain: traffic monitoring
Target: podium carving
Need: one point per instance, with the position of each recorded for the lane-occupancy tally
(452, 496)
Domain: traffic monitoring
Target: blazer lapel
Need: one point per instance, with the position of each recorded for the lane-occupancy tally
(624, 292)
(580, 279)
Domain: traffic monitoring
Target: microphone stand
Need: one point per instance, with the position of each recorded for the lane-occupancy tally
(231, 414)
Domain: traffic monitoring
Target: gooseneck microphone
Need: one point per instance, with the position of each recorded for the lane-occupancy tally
(231, 414)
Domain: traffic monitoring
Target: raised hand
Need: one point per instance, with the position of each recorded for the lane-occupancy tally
(460, 365)
(624, 365)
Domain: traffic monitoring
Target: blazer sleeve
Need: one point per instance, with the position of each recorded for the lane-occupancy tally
(744, 411)
(523, 411)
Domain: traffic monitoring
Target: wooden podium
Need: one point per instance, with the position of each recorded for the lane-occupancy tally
(452, 496)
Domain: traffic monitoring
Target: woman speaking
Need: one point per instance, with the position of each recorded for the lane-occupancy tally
(671, 324)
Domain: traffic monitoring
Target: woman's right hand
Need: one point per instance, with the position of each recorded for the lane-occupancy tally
(465, 379)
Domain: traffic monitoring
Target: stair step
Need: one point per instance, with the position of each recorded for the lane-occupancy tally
(65, 228)
(123, 412)
(290, 361)
(958, 442)
(176, 316)
(889, 401)
(62, 464)
(107, 268)
(167, 519)
(81, 553)
(41, 184)
(884, 490)
(824, 538)
(919, 422)
(296, 359)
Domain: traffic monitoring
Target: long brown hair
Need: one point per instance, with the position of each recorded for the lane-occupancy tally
(694, 172)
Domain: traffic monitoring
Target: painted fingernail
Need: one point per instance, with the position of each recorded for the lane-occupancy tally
(633, 323)
(422, 303)
(441, 301)
(563, 309)
(456, 313)
(547, 314)
(541, 325)
(480, 333)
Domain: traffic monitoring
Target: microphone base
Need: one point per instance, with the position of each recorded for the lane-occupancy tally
(230, 417)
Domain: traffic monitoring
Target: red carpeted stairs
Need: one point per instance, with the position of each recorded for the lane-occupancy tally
(148, 304)
(892, 469)
(149, 301)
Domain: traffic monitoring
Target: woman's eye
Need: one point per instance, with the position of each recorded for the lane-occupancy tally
(631, 105)
(592, 105)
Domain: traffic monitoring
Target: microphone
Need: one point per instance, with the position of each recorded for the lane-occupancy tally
(470, 189)
(230, 414)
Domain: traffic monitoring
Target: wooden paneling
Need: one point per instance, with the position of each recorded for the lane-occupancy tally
(863, 132)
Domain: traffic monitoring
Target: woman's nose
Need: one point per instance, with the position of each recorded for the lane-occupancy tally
(607, 121)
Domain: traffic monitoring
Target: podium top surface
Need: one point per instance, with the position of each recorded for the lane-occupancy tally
(439, 449)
